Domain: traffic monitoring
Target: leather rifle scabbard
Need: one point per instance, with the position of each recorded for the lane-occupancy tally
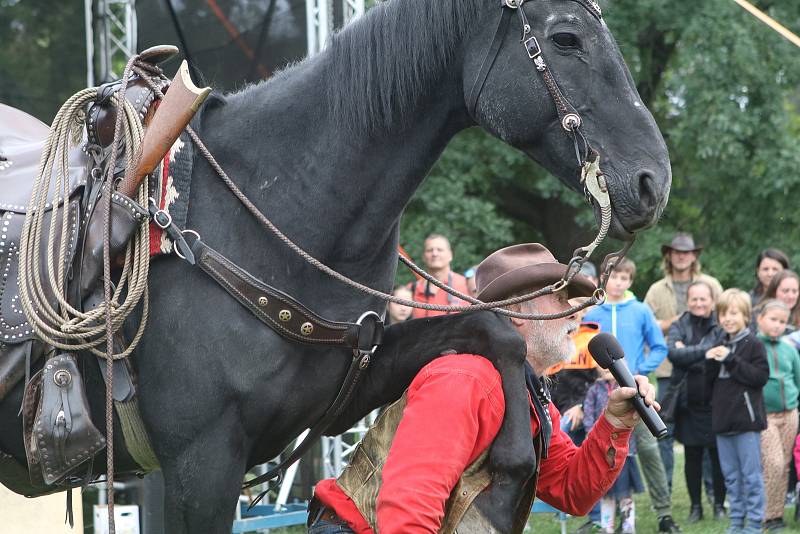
(180, 103)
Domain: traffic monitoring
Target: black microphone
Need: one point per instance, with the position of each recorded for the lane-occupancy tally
(608, 353)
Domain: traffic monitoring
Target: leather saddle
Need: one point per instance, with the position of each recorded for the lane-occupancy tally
(59, 433)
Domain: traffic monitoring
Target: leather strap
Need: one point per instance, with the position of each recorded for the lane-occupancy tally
(359, 363)
(488, 61)
(294, 321)
(282, 313)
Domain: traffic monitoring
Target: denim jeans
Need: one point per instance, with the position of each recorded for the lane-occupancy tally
(740, 459)
(324, 527)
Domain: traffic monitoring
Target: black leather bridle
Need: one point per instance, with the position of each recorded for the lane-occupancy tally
(568, 116)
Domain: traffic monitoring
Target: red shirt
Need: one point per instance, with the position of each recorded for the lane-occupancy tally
(435, 295)
(454, 410)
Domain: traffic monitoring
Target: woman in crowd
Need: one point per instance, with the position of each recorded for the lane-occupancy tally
(785, 286)
(768, 263)
(780, 400)
(689, 338)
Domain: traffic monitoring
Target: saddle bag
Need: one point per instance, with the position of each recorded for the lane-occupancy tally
(59, 433)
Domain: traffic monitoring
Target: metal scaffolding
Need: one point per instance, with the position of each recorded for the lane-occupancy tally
(114, 22)
(320, 20)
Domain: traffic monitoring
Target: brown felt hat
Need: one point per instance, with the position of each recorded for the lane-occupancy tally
(524, 268)
(682, 242)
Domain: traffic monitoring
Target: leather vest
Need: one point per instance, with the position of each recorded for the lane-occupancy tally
(362, 479)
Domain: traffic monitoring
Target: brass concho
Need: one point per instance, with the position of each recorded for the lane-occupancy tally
(263, 301)
(284, 315)
(306, 329)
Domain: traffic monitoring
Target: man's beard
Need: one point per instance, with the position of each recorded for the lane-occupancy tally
(549, 348)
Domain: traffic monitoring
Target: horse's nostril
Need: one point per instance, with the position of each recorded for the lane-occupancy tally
(648, 194)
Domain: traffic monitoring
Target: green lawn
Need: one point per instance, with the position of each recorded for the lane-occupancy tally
(646, 521)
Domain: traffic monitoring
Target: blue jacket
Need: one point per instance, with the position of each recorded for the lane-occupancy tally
(634, 325)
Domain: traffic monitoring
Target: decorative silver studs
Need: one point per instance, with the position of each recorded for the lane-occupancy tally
(284, 315)
(306, 329)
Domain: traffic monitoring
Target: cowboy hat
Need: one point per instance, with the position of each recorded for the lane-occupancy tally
(522, 269)
(682, 242)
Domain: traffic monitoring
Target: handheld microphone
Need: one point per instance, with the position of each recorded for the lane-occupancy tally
(608, 354)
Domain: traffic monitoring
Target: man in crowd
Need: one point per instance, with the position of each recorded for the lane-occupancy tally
(411, 472)
(667, 298)
(437, 256)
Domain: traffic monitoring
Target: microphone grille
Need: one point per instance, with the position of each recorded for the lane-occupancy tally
(605, 348)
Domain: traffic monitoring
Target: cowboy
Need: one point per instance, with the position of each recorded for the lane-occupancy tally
(667, 298)
(402, 476)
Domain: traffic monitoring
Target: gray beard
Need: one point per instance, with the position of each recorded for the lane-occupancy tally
(549, 348)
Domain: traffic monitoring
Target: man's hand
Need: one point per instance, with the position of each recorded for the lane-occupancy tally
(575, 416)
(620, 412)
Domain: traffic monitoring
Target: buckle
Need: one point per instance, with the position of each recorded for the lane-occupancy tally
(370, 333)
(532, 46)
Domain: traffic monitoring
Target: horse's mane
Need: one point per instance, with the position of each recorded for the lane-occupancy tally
(379, 66)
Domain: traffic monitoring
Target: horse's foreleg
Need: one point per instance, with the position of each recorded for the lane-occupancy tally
(202, 485)
(408, 347)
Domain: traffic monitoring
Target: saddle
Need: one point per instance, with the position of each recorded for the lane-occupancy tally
(59, 434)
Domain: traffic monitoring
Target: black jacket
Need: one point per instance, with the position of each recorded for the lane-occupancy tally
(698, 334)
(737, 403)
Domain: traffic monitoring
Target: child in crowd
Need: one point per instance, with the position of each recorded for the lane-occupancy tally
(737, 371)
(629, 480)
(780, 401)
(397, 313)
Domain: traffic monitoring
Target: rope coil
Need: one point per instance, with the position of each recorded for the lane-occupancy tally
(64, 326)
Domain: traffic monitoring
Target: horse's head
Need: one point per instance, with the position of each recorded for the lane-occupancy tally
(529, 92)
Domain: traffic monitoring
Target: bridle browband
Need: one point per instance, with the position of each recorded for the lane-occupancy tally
(569, 118)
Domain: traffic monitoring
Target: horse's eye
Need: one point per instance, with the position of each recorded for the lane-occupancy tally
(566, 40)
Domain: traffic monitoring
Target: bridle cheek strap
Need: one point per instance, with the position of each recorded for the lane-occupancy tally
(568, 116)
(488, 60)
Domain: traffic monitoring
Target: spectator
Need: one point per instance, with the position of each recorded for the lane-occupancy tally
(634, 325)
(667, 298)
(629, 480)
(437, 257)
(737, 371)
(397, 313)
(768, 263)
(780, 401)
(785, 286)
(689, 338)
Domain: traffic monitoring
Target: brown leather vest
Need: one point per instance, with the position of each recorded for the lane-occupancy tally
(362, 480)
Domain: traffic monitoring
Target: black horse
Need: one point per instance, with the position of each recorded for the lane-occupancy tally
(331, 150)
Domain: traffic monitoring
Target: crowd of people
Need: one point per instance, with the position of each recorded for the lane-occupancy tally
(728, 374)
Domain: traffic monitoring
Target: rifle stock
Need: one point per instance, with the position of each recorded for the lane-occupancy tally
(180, 103)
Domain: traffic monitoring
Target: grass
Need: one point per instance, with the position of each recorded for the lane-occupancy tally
(646, 521)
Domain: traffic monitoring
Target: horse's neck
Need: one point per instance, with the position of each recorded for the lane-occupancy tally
(355, 184)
